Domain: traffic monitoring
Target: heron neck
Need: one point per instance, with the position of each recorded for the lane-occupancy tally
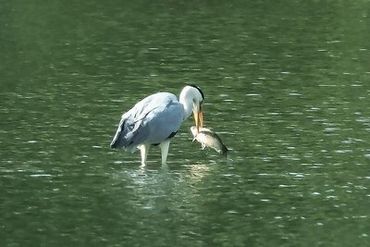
(187, 103)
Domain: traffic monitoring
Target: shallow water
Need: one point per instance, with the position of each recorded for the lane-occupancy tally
(286, 87)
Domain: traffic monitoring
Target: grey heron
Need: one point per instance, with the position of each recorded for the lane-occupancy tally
(156, 119)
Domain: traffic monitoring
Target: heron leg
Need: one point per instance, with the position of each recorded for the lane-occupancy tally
(144, 149)
(164, 150)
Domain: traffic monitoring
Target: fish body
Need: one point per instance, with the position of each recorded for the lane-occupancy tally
(208, 138)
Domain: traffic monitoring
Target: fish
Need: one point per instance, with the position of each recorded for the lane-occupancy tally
(210, 139)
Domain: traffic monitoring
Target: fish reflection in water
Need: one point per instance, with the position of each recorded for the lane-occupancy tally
(208, 138)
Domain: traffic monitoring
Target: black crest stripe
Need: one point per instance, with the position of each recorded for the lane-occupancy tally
(195, 86)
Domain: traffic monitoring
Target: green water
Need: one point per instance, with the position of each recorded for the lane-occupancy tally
(286, 86)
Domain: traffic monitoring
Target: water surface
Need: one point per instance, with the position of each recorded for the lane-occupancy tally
(286, 87)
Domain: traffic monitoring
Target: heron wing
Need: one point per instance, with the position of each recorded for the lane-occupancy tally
(152, 120)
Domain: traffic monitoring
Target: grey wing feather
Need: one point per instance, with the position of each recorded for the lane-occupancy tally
(151, 120)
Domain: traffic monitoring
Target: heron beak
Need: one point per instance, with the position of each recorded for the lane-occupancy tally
(198, 117)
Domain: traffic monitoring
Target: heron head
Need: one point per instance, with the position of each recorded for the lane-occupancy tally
(192, 97)
(198, 98)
